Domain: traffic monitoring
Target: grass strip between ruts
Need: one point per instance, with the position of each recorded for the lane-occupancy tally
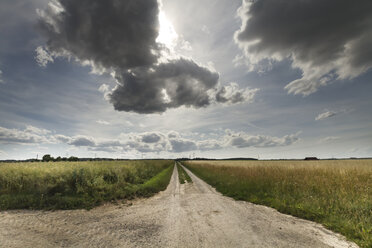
(182, 175)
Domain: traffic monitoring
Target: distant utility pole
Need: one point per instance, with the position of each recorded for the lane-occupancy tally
(37, 156)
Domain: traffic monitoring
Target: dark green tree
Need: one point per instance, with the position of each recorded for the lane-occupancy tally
(47, 158)
(72, 158)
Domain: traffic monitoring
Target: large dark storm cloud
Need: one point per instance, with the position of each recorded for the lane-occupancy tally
(326, 39)
(168, 85)
(111, 33)
(120, 37)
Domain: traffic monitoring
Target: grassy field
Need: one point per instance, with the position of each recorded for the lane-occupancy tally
(182, 175)
(70, 185)
(336, 193)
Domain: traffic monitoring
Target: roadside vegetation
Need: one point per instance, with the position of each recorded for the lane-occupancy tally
(336, 193)
(182, 175)
(71, 185)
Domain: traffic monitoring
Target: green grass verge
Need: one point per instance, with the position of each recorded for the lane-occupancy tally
(338, 196)
(72, 185)
(156, 184)
(182, 175)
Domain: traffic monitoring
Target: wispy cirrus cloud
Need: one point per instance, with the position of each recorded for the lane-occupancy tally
(325, 115)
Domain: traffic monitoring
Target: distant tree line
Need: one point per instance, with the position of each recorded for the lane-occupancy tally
(48, 158)
(184, 159)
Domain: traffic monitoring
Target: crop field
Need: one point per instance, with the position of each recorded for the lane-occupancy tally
(336, 193)
(70, 185)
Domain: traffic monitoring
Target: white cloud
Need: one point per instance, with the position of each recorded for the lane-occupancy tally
(102, 122)
(325, 115)
(242, 140)
(62, 138)
(145, 142)
(239, 60)
(231, 94)
(329, 139)
(174, 142)
(28, 136)
(36, 130)
(105, 89)
(173, 134)
(209, 144)
(43, 57)
(185, 45)
(1, 77)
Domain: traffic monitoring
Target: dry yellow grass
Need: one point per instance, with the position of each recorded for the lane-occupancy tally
(346, 163)
(336, 193)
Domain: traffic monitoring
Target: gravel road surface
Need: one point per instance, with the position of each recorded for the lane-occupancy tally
(186, 215)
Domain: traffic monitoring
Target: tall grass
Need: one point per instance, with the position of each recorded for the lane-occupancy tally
(336, 193)
(69, 185)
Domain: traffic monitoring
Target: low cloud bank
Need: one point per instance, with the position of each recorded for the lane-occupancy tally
(145, 142)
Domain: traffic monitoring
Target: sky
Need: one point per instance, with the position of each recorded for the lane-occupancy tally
(267, 79)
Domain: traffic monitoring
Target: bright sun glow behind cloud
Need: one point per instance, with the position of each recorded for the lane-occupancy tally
(167, 34)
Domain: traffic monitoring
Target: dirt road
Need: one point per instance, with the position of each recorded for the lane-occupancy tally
(187, 215)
